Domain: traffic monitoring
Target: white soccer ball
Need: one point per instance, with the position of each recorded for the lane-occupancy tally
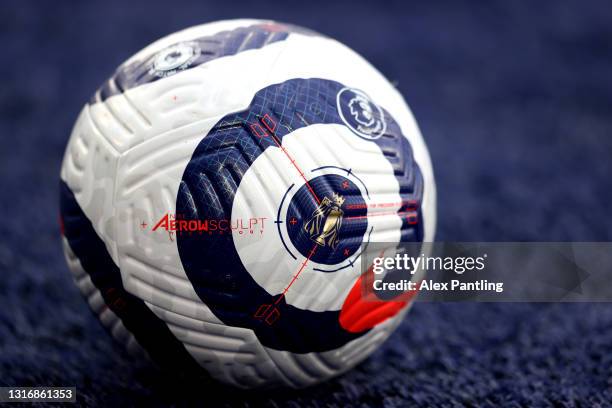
(217, 192)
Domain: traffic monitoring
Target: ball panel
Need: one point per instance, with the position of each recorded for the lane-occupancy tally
(190, 33)
(185, 54)
(304, 369)
(88, 169)
(96, 302)
(150, 332)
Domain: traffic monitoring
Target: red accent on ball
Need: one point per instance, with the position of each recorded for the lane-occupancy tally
(362, 309)
(61, 225)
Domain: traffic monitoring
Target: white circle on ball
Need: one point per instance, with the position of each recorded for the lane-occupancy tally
(261, 192)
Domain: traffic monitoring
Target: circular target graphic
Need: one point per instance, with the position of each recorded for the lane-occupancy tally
(285, 165)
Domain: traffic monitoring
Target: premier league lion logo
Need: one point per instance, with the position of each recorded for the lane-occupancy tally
(362, 115)
(362, 111)
(326, 221)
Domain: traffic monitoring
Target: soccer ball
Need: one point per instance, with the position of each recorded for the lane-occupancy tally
(216, 194)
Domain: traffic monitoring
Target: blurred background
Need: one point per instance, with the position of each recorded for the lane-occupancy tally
(515, 102)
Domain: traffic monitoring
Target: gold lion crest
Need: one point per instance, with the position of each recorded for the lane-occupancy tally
(325, 222)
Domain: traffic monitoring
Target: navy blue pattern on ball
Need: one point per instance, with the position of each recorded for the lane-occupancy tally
(201, 50)
(208, 188)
